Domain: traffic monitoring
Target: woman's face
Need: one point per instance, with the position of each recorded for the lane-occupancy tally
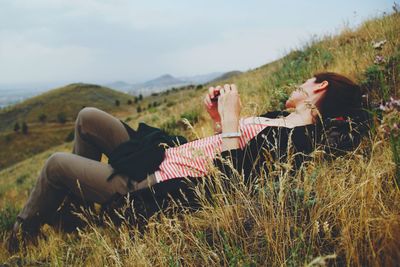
(303, 93)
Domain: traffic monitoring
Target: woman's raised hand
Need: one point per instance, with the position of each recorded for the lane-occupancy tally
(212, 105)
(229, 107)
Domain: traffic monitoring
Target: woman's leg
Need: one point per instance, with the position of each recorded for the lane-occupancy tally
(63, 172)
(97, 132)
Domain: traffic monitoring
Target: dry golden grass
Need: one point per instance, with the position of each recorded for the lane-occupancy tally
(343, 211)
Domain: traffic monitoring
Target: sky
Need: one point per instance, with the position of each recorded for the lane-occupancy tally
(100, 41)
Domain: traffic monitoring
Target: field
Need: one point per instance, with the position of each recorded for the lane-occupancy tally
(343, 211)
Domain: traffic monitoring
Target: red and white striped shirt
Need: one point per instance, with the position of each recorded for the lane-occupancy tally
(192, 159)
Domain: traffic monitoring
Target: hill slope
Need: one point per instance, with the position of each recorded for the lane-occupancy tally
(341, 212)
(50, 118)
(67, 100)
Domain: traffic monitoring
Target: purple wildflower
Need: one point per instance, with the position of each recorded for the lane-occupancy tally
(379, 59)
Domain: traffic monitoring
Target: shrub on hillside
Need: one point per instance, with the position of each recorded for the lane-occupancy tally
(8, 138)
(382, 77)
(62, 117)
(390, 127)
(8, 215)
(16, 127)
(42, 118)
(171, 103)
(70, 137)
(24, 128)
(173, 126)
(21, 179)
(192, 116)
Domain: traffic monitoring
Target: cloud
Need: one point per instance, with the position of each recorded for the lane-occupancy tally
(23, 60)
(240, 49)
(96, 40)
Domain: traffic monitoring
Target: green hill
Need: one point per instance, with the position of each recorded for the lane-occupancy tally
(50, 118)
(66, 100)
(339, 212)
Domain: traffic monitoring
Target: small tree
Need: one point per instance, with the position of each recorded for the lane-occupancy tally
(136, 99)
(117, 102)
(139, 109)
(16, 127)
(140, 97)
(129, 102)
(24, 128)
(70, 136)
(62, 117)
(42, 118)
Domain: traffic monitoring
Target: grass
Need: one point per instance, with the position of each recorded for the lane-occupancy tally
(343, 211)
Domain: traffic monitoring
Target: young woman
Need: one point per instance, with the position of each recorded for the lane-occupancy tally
(242, 142)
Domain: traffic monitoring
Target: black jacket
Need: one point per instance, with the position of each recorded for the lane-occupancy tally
(142, 153)
(270, 144)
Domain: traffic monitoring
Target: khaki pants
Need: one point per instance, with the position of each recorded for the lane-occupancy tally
(81, 172)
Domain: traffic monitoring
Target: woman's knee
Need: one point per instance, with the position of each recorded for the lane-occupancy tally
(55, 165)
(86, 117)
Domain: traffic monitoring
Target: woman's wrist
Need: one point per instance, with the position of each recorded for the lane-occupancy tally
(230, 125)
(230, 128)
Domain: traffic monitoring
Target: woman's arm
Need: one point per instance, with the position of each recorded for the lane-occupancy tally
(229, 107)
(225, 115)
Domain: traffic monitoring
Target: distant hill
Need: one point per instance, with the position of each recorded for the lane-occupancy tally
(119, 85)
(67, 100)
(201, 79)
(162, 83)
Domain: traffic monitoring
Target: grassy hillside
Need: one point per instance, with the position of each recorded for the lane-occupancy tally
(50, 117)
(340, 212)
(67, 100)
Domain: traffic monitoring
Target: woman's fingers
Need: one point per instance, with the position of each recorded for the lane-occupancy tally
(211, 91)
(222, 91)
(227, 87)
(234, 88)
(207, 100)
(210, 95)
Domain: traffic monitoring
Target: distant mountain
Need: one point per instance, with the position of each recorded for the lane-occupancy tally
(119, 85)
(162, 83)
(164, 80)
(158, 84)
(201, 79)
